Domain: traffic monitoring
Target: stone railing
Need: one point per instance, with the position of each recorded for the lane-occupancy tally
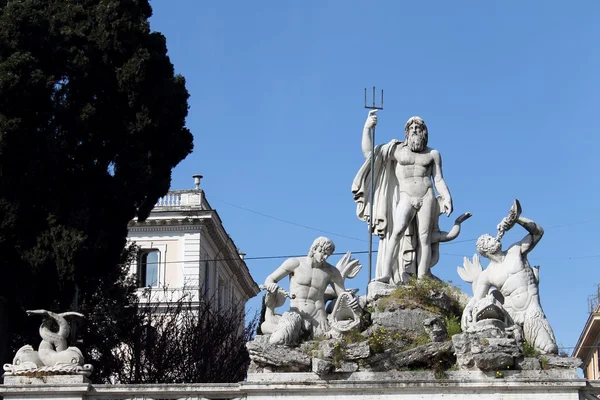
(166, 392)
(162, 295)
(453, 385)
(186, 198)
(78, 388)
(169, 200)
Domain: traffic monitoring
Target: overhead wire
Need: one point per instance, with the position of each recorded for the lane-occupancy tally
(375, 251)
(361, 251)
(362, 240)
(291, 222)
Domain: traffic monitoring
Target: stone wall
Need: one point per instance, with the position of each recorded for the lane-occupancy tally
(551, 384)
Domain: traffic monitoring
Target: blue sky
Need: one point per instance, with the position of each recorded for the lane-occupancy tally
(509, 90)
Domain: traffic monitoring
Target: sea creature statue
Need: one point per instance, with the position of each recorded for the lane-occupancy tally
(53, 357)
(344, 317)
(349, 267)
(313, 282)
(517, 283)
(490, 309)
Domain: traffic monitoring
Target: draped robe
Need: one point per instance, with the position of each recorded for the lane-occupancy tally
(387, 195)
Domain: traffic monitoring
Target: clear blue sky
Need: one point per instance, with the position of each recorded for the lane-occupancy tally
(509, 90)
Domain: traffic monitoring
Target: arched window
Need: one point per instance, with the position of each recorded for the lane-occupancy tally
(148, 268)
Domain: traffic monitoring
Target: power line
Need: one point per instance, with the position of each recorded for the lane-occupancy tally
(291, 222)
(269, 258)
(457, 241)
(362, 240)
(337, 254)
(573, 223)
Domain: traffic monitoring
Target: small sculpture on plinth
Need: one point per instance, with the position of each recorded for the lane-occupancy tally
(54, 356)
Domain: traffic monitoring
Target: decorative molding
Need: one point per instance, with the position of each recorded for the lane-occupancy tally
(165, 225)
(214, 229)
(231, 256)
(172, 228)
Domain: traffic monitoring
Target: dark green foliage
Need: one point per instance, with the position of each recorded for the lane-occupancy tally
(452, 324)
(92, 120)
(529, 350)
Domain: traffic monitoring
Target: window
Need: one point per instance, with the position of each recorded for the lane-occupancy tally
(148, 268)
(596, 370)
(206, 279)
(223, 293)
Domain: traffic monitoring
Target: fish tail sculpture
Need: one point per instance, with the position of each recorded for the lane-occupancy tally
(53, 349)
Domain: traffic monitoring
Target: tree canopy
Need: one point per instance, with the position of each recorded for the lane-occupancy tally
(92, 121)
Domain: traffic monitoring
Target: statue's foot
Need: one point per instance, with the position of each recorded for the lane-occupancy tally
(382, 279)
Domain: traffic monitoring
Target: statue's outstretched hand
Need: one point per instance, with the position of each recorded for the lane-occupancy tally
(354, 303)
(272, 287)
(371, 120)
(467, 316)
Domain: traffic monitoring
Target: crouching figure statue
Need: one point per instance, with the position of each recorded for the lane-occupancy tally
(313, 282)
(518, 283)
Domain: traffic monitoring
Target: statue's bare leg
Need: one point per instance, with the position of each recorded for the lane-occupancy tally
(403, 215)
(425, 217)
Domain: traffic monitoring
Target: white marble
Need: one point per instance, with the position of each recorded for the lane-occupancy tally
(310, 277)
(513, 385)
(416, 385)
(53, 356)
(510, 273)
(406, 176)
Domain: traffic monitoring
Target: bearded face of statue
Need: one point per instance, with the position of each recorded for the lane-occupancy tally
(487, 245)
(416, 135)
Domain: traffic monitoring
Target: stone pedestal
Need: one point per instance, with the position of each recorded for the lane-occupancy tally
(409, 385)
(55, 387)
(513, 385)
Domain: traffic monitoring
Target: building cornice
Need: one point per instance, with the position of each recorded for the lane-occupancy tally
(588, 340)
(231, 256)
(209, 219)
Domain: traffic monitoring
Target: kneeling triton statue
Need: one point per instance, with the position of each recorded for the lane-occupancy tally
(310, 278)
(509, 271)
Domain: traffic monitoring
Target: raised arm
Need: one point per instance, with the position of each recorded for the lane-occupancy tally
(535, 234)
(367, 140)
(284, 270)
(440, 183)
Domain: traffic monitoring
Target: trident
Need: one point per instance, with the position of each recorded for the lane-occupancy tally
(372, 107)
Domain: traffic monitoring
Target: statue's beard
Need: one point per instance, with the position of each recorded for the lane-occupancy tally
(417, 141)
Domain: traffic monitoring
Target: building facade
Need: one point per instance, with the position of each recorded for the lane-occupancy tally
(183, 245)
(588, 345)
